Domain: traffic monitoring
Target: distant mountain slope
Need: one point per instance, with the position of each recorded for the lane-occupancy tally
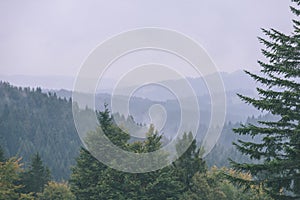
(233, 82)
(32, 121)
(236, 82)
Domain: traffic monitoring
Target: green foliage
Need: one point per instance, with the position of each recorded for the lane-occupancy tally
(93, 180)
(213, 185)
(187, 178)
(111, 130)
(32, 121)
(12, 176)
(35, 178)
(56, 191)
(2, 157)
(224, 148)
(9, 177)
(190, 162)
(86, 175)
(279, 148)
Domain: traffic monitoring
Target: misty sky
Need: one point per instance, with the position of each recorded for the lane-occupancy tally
(54, 37)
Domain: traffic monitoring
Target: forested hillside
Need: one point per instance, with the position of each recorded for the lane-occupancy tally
(31, 121)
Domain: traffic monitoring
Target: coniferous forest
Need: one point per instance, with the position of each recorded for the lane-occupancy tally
(42, 156)
(32, 122)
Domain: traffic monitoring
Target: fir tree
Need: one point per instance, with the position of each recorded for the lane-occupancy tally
(2, 157)
(110, 129)
(190, 162)
(279, 150)
(87, 176)
(36, 177)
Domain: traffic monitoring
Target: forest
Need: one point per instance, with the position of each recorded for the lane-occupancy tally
(90, 179)
(42, 157)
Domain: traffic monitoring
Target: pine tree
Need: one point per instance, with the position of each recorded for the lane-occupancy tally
(87, 176)
(91, 179)
(110, 129)
(36, 177)
(190, 162)
(160, 184)
(2, 157)
(279, 150)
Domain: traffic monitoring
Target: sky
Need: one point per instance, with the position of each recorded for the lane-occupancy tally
(42, 38)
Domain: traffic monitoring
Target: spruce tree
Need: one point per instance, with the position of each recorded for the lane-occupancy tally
(190, 162)
(90, 178)
(110, 129)
(87, 175)
(2, 157)
(278, 152)
(36, 177)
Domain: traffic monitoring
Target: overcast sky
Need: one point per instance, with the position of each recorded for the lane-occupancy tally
(54, 37)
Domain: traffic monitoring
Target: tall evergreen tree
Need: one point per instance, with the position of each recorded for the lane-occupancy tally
(160, 184)
(36, 177)
(190, 161)
(279, 149)
(90, 178)
(2, 157)
(86, 176)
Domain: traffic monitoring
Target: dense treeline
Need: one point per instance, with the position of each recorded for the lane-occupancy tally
(187, 178)
(31, 121)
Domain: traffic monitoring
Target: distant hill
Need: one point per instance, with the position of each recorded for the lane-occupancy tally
(32, 121)
(236, 82)
(233, 82)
